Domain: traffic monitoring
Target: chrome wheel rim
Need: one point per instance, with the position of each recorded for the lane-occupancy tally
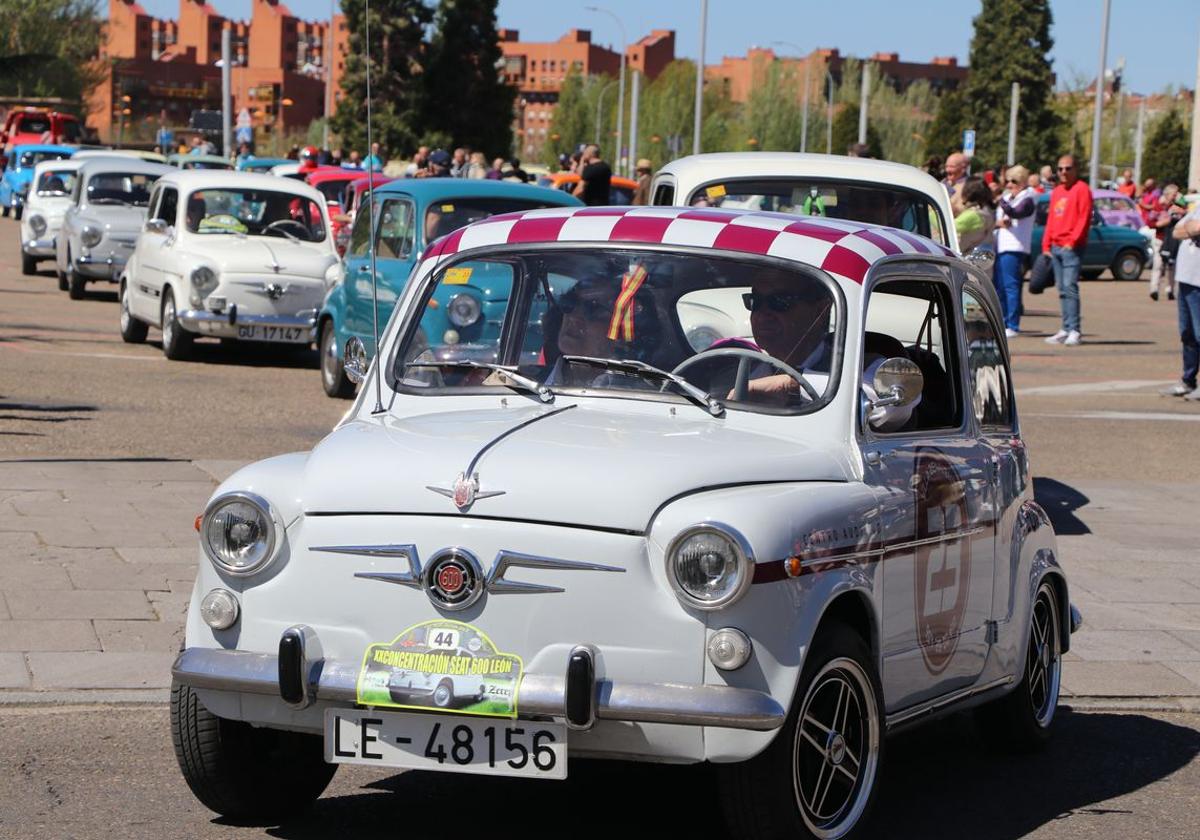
(1129, 266)
(1043, 661)
(168, 327)
(441, 696)
(835, 753)
(328, 355)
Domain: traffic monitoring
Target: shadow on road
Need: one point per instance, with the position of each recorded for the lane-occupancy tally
(1060, 502)
(939, 781)
(250, 354)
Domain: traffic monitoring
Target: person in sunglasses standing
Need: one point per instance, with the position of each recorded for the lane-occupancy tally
(1014, 232)
(1064, 239)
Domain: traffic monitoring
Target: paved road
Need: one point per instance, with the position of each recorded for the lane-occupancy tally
(111, 772)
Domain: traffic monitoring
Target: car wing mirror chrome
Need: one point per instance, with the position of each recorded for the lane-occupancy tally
(898, 382)
(981, 257)
(158, 226)
(355, 360)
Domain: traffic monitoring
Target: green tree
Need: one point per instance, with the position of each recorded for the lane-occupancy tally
(1011, 44)
(902, 120)
(845, 133)
(772, 114)
(465, 95)
(49, 48)
(574, 119)
(668, 111)
(1167, 151)
(945, 133)
(397, 49)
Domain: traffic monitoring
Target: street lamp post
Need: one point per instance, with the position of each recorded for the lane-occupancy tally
(620, 81)
(699, 119)
(328, 76)
(1094, 169)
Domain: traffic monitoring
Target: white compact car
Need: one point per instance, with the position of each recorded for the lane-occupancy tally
(49, 198)
(99, 229)
(230, 255)
(582, 536)
(877, 192)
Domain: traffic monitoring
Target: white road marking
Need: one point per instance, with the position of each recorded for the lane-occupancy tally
(1093, 387)
(1120, 415)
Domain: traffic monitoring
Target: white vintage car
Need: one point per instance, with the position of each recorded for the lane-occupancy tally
(767, 555)
(229, 255)
(49, 197)
(878, 192)
(99, 229)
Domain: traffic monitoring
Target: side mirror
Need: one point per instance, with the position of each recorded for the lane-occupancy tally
(354, 360)
(981, 258)
(897, 382)
(158, 226)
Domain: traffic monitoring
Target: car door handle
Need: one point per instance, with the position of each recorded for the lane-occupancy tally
(364, 269)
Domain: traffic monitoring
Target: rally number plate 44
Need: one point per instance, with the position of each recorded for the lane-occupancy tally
(447, 743)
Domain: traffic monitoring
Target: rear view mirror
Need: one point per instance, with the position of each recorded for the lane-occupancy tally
(158, 226)
(898, 382)
(354, 360)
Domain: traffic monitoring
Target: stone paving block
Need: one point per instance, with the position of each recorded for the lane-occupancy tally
(1131, 646)
(13, 673)
(174, 555)
(1098, 615)
(46, 604)
(1140, 590)
(116, 575)
(48, 634)
(31, 574)
(171, 606)
(101, 670)
(4, 613)
(35, 503)
(1189, 671)
(154, 636)
(1124, 679)
(219, 470)
(11, 541)
(1190, 636)
(84, 536)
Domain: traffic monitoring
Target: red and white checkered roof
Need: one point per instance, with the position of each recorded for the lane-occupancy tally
(843, 248)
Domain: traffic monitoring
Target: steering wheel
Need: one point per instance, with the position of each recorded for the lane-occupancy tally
(745, 358)
(280, 222)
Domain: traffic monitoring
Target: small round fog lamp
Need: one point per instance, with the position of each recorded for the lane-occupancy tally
(219, 609)
(729, 649)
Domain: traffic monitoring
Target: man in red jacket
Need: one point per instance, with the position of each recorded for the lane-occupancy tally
(1064, 239)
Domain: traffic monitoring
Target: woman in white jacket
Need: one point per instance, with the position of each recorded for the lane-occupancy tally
(1014, 230)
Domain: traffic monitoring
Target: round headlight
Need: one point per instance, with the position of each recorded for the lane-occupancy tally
(463, 310)
(91, 236)
(37, 224)
(709, 566)
(204, 280)
(239, 533)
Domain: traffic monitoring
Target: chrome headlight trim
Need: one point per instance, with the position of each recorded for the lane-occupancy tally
(274, 534)
(745, 560)
(37, 223)
(474, 309)
(90, 236)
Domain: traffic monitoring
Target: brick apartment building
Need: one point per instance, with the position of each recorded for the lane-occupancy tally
(537, 71)
(738, 75)
(171, 67)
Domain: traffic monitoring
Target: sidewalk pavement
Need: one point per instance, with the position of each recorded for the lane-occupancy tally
(97, 560)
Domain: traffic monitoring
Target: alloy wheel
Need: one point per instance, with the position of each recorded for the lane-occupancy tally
(1043, 661)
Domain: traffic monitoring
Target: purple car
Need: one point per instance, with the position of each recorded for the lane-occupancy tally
(1117, 209)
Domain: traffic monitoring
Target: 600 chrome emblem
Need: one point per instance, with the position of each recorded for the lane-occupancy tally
(453, 580)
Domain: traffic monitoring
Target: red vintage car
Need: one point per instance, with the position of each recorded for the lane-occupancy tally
(36, 125)
(331, 182)
(355, 196)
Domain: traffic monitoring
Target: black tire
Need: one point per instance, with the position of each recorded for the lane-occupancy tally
(76, 283)
(4, 211)
(1021, 720)
(62, 279)
(244, 772)
(133, 331)
(1091, 274)
(333, 372)
(1127, 265)
(28, 264)
(176, 341)
(765, 797)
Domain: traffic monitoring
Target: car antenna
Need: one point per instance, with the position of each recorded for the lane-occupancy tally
(372, 217)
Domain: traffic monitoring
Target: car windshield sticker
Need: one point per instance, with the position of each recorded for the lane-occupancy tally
(444, 665)
(447, 208)
(222, 222)
(456, 276)
(715, 191)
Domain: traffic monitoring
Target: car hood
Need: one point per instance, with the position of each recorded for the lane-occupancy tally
(569, 464)
(114, 218)
(258, 255)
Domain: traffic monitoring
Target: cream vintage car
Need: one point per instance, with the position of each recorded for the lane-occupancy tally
(877, 192)
(228, 255)
(47, 203)
(600, 541)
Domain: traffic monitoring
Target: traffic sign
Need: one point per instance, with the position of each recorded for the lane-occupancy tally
(969, 142)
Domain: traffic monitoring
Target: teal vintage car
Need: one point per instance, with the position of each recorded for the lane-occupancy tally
(18, 173)
(409, 214)
(260, 164)
(1119, 249)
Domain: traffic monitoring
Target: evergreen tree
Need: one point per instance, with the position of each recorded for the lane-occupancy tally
(772, 115)
(945, 134)
(845, 133)
(1011, 44)
(397, 49)
(574, 119)
(465, 95)
(1167, 152)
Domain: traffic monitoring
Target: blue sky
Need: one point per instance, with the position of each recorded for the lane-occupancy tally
(1158, 39)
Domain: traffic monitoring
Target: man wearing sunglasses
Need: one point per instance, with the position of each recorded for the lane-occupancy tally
(1064, 239)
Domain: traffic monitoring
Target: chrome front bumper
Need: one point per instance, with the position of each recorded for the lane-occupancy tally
(225, 324)
(539, 695)
(108, 268)
(39, 247)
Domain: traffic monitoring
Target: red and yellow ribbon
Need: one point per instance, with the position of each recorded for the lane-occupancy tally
(622, 317)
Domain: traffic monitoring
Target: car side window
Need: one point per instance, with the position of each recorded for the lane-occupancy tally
(395, 237)
(664, 195)
(913, 319)
(168, 205)
(360, 234)
(990, 395)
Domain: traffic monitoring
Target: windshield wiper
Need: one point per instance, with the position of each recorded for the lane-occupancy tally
(521, 381)
(701, 397)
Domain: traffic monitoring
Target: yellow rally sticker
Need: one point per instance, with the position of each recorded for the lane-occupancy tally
(456, 276)
(444, 665)
(715, 191)
(447, 208)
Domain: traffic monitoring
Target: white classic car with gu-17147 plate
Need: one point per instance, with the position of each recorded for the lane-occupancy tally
(229, 255)
(595, 535)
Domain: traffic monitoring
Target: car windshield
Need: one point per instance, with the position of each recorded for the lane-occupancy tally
(29, 159)
(56, 182)
(746, 332)
(34, 124)
(332, 189)
(120, 188)
(876, 204)
(255, 213)
(448, 215)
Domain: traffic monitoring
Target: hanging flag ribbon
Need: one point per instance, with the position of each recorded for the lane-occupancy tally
(621, 324)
